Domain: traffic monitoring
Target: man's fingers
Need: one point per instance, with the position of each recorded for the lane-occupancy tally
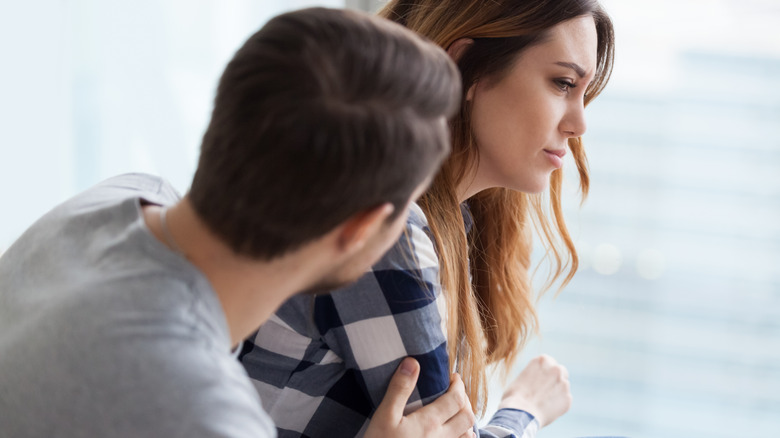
(448, 405)
(468, 434)
(463, 420)
(398, 392)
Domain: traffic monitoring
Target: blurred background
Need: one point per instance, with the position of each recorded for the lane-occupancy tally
(671, 328)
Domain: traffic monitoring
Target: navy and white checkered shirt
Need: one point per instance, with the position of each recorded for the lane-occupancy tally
(322, 363)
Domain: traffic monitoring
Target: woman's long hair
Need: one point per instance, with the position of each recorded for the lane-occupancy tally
(492, 313)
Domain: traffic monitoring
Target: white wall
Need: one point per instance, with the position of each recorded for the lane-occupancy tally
(93, 88)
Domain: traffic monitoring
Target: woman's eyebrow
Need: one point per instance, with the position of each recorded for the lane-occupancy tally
(580, 71)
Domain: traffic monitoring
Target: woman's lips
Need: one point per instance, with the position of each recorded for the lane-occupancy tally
(555, 156)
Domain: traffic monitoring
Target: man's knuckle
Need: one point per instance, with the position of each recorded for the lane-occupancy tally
(463, 400)
(430, 425)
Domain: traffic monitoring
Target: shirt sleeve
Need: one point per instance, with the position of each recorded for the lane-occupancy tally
(397, 310)
(390, 313)
(510, 423)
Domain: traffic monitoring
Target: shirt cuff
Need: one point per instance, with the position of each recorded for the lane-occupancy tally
(510, 422)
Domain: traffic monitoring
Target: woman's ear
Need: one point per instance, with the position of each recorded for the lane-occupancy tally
(456, 50)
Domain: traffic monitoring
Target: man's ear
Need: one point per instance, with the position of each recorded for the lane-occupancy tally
(361, 227)
(456, 50)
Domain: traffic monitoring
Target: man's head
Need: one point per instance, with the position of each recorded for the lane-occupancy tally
(322, 116)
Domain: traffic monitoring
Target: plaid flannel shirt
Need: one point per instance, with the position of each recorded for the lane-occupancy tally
(322, 363)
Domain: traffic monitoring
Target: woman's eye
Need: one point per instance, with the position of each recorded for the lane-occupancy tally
(564, 85)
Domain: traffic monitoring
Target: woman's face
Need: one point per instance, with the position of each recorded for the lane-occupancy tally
(523, 121)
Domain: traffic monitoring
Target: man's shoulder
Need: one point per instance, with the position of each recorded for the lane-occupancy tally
(151, 188)
(113, 192)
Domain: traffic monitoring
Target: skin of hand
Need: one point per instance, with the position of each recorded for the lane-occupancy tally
(449, 416)
(542, 389)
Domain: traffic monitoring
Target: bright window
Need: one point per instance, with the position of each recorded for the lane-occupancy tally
(672, 326)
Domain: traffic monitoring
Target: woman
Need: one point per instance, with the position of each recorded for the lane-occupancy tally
(455, 297)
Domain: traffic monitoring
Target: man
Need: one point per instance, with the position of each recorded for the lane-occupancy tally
(119, 308)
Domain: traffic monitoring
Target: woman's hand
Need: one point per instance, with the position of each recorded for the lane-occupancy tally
(541, 389)
(449, 416)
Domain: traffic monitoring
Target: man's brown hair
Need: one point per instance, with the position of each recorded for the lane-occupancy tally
(322, 114)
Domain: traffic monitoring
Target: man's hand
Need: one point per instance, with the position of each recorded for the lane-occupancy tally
(447, 417)
(541, 389)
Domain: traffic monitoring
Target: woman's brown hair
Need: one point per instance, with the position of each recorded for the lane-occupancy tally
(485, 273)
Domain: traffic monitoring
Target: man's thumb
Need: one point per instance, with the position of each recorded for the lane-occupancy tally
(398, 392)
